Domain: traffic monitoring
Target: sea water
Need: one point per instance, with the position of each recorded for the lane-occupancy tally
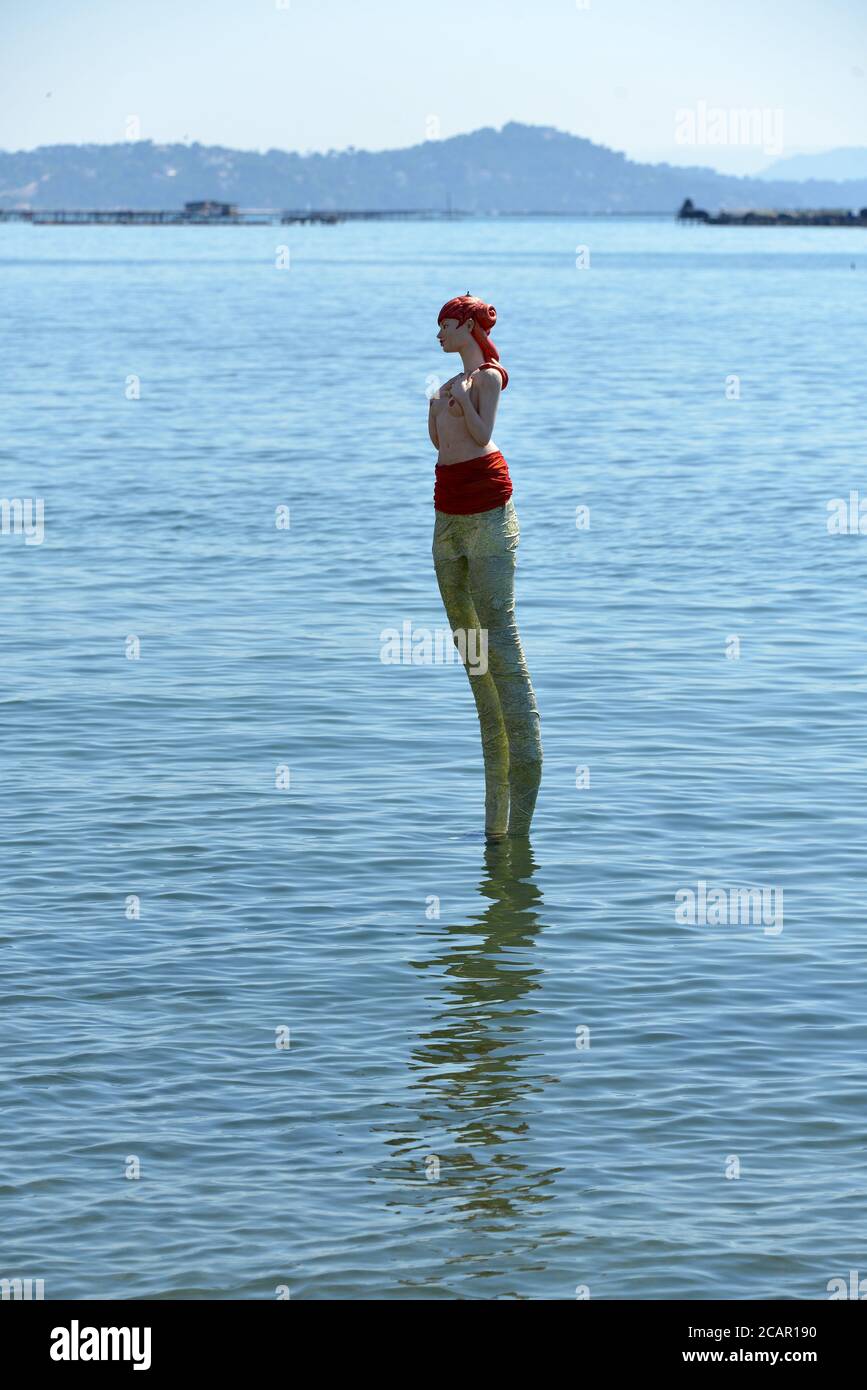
(276, 1022)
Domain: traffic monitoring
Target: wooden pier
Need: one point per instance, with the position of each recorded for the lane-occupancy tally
(199, 214)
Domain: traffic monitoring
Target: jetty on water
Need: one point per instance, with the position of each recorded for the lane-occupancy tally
(197, 214)
(770, 217)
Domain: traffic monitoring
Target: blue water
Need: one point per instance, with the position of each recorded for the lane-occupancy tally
(431, 1130)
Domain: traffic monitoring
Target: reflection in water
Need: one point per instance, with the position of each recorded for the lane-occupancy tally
(472, 1065)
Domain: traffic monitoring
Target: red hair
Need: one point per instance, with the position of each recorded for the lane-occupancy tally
(484, 316)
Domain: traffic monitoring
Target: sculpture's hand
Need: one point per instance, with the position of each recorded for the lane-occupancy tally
(459, 393)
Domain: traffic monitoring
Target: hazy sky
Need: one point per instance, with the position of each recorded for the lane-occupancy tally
(319, 74)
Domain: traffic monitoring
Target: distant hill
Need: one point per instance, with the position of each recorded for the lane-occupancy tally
(521, 168)
(833, 164)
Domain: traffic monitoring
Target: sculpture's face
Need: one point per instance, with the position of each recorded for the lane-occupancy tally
(452, 335)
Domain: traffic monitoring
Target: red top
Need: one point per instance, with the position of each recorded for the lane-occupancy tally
(477, 485)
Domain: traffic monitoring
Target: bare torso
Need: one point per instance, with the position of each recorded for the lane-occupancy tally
(456, 444)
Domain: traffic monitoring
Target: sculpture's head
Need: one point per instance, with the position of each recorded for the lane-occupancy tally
(467, 317)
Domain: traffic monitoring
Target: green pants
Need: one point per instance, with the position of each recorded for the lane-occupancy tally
(474, 557)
